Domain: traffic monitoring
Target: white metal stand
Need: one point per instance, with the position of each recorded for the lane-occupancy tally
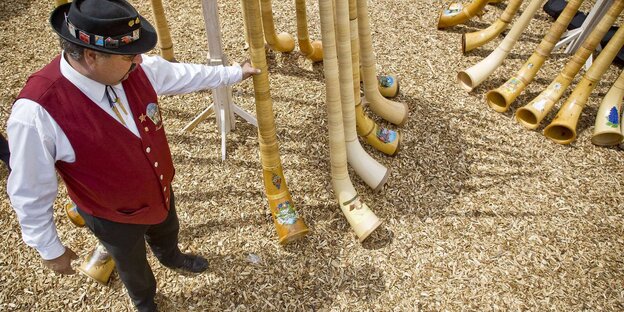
(574, 38)
(222, 96)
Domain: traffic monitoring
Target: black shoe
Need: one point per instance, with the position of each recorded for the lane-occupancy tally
(190, 263)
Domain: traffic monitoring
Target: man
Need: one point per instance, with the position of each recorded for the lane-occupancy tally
(92, 116)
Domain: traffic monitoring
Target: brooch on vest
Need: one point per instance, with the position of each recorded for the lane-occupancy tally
(153, 113)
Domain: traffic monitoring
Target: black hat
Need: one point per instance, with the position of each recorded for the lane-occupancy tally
(110, 26)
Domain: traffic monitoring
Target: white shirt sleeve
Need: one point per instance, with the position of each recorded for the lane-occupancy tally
(32, 185)
(179, 78)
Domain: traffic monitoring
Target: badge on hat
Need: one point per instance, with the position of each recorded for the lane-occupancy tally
(153, 114)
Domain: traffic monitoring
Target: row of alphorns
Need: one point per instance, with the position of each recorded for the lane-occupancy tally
(346, 44)
(562, 129)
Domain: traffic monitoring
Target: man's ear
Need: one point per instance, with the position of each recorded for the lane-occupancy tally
(90, 57)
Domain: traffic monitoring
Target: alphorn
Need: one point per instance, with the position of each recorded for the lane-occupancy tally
(372, 172)
(457, 13)
(501, 98)
(282, 42)
(358, 214)
(314, 50)
(288, 223)
(98, 265)
(562, 129)
(162, 30)
(382, 139)
(473, 40)
(608, 126)
(391, 111)
(473, 76)
(532, 114)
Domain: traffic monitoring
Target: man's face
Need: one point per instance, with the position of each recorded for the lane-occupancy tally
(114, 68)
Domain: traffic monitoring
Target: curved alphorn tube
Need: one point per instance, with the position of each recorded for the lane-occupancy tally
(60, 2)
(473, 40)
(98, 265)
(562, 129)
(282, 42)
(287, 221)
(360, 217)
(391, 111)
(385, 140)
(608, 126)
(457, 13)
(372, 172)
(162, 30)
(531, 115)
(473, 76)
(501, 98)
(314, 50)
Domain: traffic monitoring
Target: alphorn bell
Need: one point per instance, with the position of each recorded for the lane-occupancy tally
(501, 98)
(562, 129)
(608, 126)
(475, 75)
(391, 111)
(72, 214)
(371, 171)
(473, 40)
(457, 13)
(162, 30)
(288, 223)
(382, 139)
(98, 265)
(532, 114)
(314, 50)
(282, 42)
(360, 217)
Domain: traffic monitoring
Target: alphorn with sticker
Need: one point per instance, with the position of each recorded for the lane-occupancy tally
(98, 265)
(382, 139)
(282, 42)
(608, 126)
(391, 111)
(475, 75)
(562, 129)
(358, 214)
(531, 115)
(475, 39)
(371, 171)
(501, 98)
(288, 223)
(457, 13)
(312, 50)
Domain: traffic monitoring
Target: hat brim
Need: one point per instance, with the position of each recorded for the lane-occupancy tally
(146, 43)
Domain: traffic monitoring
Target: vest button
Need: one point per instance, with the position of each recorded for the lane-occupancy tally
(148, 149)
(164, 189)
(161, 177)
(156, 164)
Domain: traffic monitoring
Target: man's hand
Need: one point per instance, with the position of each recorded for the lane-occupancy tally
(62, 264)
(249, 70)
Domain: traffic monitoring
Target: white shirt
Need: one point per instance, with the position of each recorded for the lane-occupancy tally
(36, 141)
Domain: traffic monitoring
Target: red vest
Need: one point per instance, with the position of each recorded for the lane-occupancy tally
(116, 176)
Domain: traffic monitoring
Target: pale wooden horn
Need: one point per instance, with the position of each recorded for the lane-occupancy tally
(288, 223)
(360, 217)
(371, 171)
(475, 75)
